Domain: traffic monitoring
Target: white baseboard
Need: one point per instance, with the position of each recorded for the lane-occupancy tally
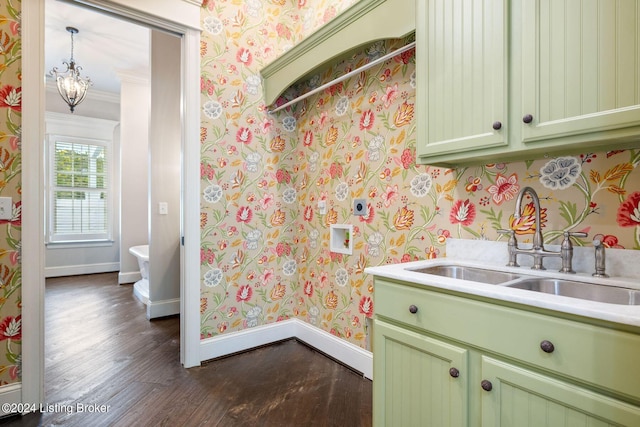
(350, 354)
(11, 393)
(163, 308)
(74, 270)
(129, 277)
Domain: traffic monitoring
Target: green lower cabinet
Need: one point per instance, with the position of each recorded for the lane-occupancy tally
(513, 396)
(419, 381)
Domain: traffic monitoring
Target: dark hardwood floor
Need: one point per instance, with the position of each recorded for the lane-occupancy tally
(102, 353)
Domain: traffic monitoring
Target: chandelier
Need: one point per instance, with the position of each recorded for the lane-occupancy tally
(71, 87)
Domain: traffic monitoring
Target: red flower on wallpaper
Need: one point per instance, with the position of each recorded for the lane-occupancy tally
(609, 241)
(335, 170)
(283, 176)
(11, 97)
(408, 158)
(283, 249)
(244, 56)
(308, 213)
(244, 214)
(307, 140)
(366, 120)
(366, 306)
(629, 211)
(369, 216)
(11, 328)
(308, 288)
(244, 135)
(244, 293)
(504, 188)
(463, 212)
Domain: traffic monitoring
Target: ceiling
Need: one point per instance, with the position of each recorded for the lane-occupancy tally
(103, 46)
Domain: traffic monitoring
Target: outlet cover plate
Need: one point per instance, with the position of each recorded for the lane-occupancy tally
(359, 207)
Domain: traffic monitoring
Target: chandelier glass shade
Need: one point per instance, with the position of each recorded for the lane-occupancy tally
(71, 87)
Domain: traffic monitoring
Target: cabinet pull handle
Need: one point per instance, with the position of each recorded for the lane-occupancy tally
(497, 125)
(454, 372)
(486, 385)
(547, 346)
(528, 118)
(413, 309)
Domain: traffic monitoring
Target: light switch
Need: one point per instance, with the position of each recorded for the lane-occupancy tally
(6, 207)
(163, 208)
(322, 206)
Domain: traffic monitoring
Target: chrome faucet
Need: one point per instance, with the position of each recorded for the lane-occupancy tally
(538, 252)
(600, 259)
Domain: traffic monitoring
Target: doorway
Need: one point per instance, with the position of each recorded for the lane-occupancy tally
(181, 18)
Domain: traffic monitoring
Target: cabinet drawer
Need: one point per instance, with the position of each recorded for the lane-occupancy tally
(597, 356)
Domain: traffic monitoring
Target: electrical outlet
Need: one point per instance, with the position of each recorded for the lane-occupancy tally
(6, 207)
(359, 207)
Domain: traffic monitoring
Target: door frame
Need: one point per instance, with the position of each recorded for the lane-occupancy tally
(182, 18)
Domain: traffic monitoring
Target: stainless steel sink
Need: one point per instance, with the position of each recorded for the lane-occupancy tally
(469, 273)
(587, 291)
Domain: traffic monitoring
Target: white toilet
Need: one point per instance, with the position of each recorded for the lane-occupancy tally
(141, 287)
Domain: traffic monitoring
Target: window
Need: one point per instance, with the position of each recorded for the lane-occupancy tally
(79, 190)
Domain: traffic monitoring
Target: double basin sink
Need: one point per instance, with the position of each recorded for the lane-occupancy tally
(555, 286)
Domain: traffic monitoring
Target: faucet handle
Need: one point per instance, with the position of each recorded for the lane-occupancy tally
(512, 246)
(566, 250)
(575, 234)
(566, 243)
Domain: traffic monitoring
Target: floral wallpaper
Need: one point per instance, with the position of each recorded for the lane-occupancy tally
(10, 186)
(265, 245)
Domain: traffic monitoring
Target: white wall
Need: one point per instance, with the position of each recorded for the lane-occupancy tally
(102, 105)
(165, 174)
(85, 258)
(134, 159)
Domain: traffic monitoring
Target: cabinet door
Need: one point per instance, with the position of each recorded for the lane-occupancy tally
(461, 75)
(417, 380)
(519, 397)
(580, 70)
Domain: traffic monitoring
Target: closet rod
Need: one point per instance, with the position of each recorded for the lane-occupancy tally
(345, 77)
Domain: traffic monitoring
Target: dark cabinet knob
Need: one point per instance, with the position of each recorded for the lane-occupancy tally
(497, 125)
(454, 372)
(528, 118)
(547, 346)
(413, 309)
(486, 385)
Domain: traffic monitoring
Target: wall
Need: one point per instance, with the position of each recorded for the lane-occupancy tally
(134, 163)
(164, 182)
(10, 186)
(103, 105)
(264, 245)
(65, 259)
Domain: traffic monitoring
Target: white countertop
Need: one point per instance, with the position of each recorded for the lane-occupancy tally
(465, 252)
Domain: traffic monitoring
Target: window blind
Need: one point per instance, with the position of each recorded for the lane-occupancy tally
(79, 192)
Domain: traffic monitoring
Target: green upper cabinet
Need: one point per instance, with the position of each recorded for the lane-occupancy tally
(555, 76)
(462, 75)
(580, 70)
